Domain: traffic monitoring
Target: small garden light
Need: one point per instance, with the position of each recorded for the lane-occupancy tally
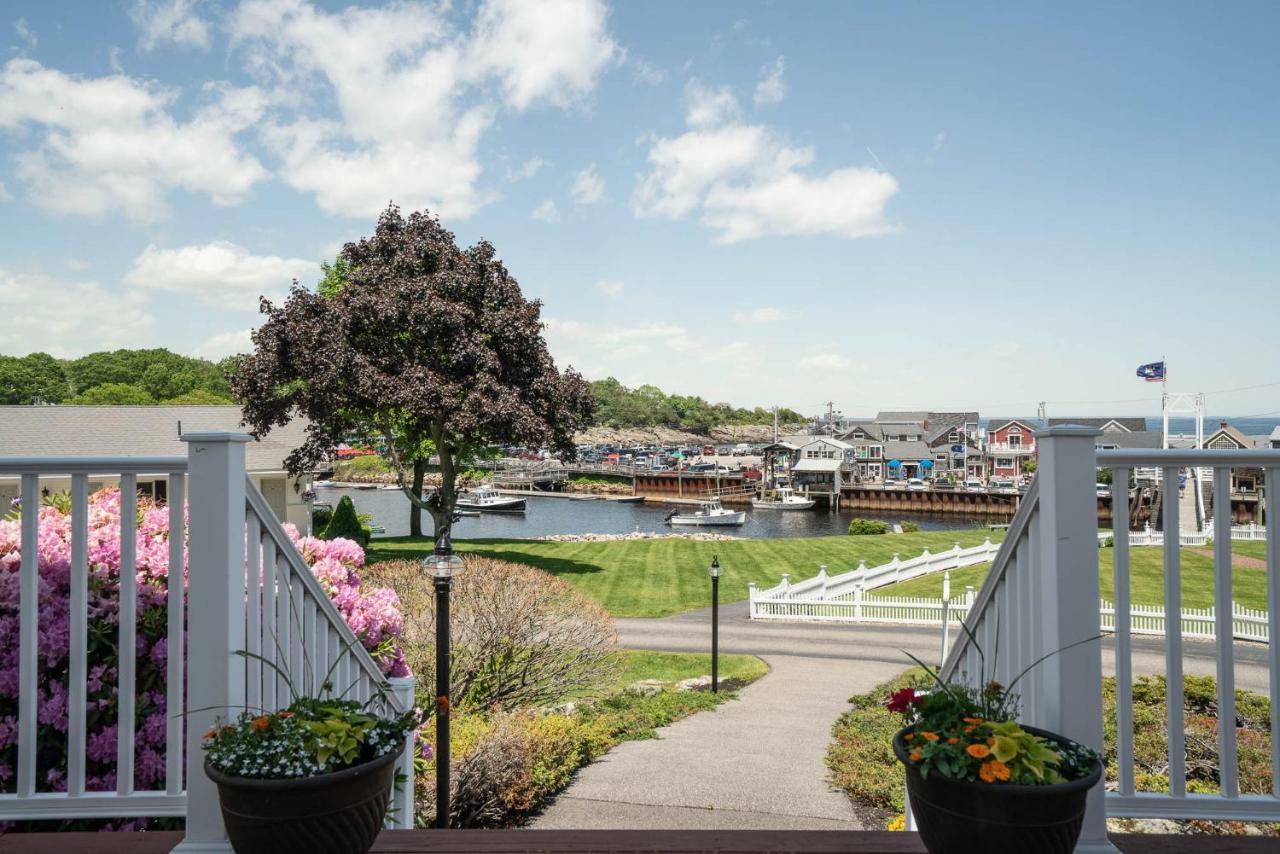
(443, 565)
(714, 571)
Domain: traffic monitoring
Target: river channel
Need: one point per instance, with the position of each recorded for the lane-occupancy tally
(557, 515)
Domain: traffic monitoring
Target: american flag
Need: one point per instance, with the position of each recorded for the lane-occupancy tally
(1152, 373)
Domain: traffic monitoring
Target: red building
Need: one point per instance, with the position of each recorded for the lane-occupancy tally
(1010, 444)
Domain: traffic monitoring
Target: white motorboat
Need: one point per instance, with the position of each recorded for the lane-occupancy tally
(486, 499)
(783, 498)
(708, 513)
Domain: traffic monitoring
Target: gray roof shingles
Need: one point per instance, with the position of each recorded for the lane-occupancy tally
(133, 431)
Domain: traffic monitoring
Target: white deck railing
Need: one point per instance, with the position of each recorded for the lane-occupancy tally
(1040, 597)
(255, 593)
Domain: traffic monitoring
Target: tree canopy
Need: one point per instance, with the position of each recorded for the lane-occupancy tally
(135, 377)
(648, 406)
(423, 345)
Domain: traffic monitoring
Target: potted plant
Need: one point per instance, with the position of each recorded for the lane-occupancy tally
(978, 781)
(314, 777)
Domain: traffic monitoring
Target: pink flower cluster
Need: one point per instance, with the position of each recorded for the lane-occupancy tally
(373, 615)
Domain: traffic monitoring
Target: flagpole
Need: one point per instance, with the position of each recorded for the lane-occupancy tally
(1164, 397)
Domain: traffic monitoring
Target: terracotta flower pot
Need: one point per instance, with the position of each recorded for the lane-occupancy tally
(957, 817)
(338, 813)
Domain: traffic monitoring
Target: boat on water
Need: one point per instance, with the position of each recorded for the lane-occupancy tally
(627, 499)
(783, 498)
(708, 513)
(486, 499)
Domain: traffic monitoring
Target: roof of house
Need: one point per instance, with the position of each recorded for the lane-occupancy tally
(895, 450)
(1226, 429)
(1131, 439)
(902, 417)
(817, 465)
(1135, 424)
(1275, 435)
(996, 423)
(134, 431)
(829, 440)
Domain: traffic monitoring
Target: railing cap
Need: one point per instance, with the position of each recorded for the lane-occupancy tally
(215, 436)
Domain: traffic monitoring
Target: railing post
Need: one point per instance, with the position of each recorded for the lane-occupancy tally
(402, 798)
(752, 593)
(1071, 682)
(215, 618)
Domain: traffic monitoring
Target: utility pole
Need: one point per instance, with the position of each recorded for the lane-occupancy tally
(775, 425)
(831, 417)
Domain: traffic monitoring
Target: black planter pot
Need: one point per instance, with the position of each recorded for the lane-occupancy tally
(956, 817)
(338, 813)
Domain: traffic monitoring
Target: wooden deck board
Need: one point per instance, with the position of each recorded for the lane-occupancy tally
(619, 842)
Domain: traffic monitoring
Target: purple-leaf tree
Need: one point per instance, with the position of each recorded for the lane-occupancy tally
(428, 348)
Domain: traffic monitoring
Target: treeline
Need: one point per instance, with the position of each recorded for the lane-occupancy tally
(117, 378)
(649, 406)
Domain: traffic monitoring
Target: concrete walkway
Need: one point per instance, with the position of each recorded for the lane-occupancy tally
(754, 763)
(758, 762)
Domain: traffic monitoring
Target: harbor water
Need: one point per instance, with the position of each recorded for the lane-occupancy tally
(547, 515)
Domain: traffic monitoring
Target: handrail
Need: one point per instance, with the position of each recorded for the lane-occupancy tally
(286, 549)
(1198, 457)
(68, 465)
(1021, 520)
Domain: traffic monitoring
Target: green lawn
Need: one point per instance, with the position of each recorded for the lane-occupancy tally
(674, 666)
(654, 578)
(1146, 579)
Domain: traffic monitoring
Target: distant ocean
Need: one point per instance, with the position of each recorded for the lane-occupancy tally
(1186, 425)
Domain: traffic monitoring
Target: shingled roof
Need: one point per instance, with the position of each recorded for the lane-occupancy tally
(134, 431)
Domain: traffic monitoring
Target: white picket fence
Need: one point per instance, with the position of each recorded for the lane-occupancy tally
(844, 586)
(1151, 537)
(1246, 623)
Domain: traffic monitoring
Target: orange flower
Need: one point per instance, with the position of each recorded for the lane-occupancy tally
(993, 771)
(261, 723)
(211, 733)
(284, 715)
(991, 741)
(916, 755)
(968, 730)
(978, 751)
(929, 736)
(953, 740)
(974, 721)
(909, 736)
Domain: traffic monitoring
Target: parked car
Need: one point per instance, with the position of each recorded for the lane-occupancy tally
(942, 483)
(890, 484)
(1104, 490)
(915, 484)
(974, 484)
(1003, 484)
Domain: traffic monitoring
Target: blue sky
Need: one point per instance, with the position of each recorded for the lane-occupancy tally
(885, 205)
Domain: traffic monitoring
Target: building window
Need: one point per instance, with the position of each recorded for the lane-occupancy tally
(1015, 440)
(953, 436)
(875, 451)
(1015, 429)
(1004, 462)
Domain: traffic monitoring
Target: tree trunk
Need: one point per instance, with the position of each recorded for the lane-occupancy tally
(415, 511)
(445, 498)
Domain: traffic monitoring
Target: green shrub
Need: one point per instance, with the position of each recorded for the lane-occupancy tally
(864, 527)
(345, 523)
(860, 757)
(909, 528)
(320, 517)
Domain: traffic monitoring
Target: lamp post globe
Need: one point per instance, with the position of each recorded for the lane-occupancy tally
(442, 565)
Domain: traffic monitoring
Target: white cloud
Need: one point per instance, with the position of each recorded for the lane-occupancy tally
(764, 314)
(611, 287)
(78, 264)
(744, 180)
(24, 31)
(646, 72)
(549, 51)
(826, 361)
(5, 195)
(709, 107)
(225, 344)
(546, 212)
(587, 187)
(220, 272)
(111, 143)
(771, 89)
(66, 318)
(528, 169)
(413, 92)
(175, 21)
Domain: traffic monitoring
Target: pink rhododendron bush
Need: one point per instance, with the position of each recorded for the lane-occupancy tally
(373, 614)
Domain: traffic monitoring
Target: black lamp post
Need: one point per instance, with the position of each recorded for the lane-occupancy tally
(715, 624)
(443, 565)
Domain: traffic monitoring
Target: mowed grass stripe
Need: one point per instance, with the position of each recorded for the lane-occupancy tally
(654, 578)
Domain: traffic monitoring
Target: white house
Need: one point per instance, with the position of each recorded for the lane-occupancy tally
(148, 431)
